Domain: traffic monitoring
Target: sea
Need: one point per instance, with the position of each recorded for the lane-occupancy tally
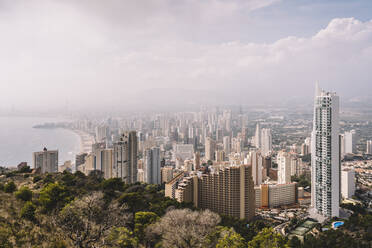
(18, 140)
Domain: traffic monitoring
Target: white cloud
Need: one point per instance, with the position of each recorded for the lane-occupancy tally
(94, 53)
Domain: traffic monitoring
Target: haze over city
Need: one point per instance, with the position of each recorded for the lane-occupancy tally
(186, 123)
(88, 54)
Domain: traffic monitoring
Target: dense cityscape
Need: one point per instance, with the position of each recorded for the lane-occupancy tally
(239, 163)
(185, 124)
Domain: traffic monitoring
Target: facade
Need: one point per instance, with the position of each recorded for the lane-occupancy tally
(46, 161)
(275, 195)
(166, 174)
(325, 162)
(103, 161)
(347, 182)
(152, 166)
(227, 145)
(125, 157)
(230, 191)
(350, 142)
(256, 160)
(172, 185)
(284, 167)
(266, 141)
(369, 147)
(183, 151)
(210, 148)
(257, 137)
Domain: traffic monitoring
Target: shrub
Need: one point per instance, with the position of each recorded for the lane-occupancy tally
(54, 196)
(36, 179)
(24, 194)
(10, 187)
(28, 211)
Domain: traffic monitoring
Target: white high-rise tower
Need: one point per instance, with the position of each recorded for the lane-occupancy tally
(325, 161)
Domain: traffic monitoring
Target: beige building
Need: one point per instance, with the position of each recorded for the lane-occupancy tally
(166, 174)
(275, 195)
(210, 147)
(171, 186)
(229, 191)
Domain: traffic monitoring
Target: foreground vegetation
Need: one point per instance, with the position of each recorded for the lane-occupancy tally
(74, 210)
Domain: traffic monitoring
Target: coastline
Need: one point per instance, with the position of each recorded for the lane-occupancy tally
(86, 140)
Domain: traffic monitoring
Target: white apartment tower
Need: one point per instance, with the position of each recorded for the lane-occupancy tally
(257, 137)
(325, 161)
(284, 167)
(266, 141)
(369, 147)
(347, 182)
(350, 142)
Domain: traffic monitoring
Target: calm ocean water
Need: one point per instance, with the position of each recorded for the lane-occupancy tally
(18, 140)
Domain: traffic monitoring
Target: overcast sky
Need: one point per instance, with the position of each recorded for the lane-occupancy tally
(121, 52)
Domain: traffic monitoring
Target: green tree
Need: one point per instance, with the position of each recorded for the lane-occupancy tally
(86, 220)
(28, 211)
(227, 237)
(135, 201)
(123, 238)
(10, 187)
(141, 221)
(294, 242)
(24, 194)
(267, 238)
(54, 196)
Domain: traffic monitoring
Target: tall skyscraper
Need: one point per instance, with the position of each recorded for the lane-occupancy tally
(266, 141)
(350, 142)
(227, 145)
(46, 160)
(125, 157)
(325, 161)
(257, 137)
(210, 148)
(152, 166)
(369, 147)
(256, 160)
(103, 161)
(284, 167)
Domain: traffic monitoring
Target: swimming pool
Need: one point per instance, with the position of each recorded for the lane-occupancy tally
(337, 224)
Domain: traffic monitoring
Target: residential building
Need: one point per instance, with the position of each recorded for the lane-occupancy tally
(325, 162)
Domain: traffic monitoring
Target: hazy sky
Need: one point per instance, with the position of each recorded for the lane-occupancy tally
(121, 52)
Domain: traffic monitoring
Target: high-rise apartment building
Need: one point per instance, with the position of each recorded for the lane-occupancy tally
(257, 137)
(152, 166)
(255, 159)
(166, 174)
(227, 145)
(210, 148)
(46, 160)
(347, 182)
(284, 167)
(369, 147)
(103, 161)
(266, 141)
(229, 191)
(125, 157)
(325, 162)
(350, 139)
